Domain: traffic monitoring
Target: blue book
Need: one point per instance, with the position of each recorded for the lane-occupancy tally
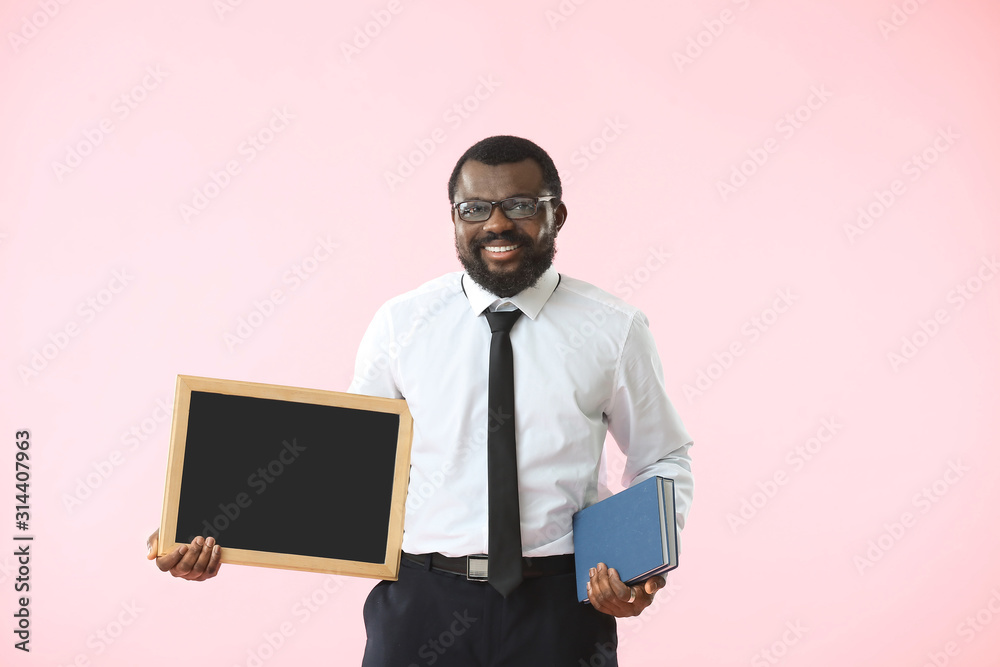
(634, 532)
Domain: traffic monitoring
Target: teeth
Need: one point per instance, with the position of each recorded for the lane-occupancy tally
(504, 248)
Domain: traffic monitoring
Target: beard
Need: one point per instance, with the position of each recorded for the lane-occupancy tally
(535, 260)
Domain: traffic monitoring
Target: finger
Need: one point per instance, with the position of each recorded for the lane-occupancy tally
(215, 563)
(169, 561)
(621, 591)
(602, 579)
(190, 558)
(654, 584)
(627, 598)
(201, 564)
(645, 592)
(600, 588)
(593, 590)
(608, 594)
(152, 544)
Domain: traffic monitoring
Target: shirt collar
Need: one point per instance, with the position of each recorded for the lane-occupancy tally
(528, 301)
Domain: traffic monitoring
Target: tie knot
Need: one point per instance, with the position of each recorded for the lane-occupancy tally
(502, 322)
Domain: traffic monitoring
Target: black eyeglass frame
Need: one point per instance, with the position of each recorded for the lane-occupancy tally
(537, 200)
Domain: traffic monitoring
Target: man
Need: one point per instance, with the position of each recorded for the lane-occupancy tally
(584, 362)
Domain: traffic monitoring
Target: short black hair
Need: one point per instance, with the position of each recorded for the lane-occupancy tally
(505, 149)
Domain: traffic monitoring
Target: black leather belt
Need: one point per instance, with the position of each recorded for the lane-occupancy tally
(476, 568)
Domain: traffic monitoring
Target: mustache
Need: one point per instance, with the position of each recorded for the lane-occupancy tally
(511, 236)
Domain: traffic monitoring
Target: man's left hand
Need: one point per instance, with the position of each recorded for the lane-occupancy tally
(609, 595)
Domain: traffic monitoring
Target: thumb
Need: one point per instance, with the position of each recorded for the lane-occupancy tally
(152, 544)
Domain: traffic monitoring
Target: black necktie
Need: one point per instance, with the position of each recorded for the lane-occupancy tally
(505, 516)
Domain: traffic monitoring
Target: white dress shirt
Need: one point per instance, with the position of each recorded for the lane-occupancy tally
(584, 363)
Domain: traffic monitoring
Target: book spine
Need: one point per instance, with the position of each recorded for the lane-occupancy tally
(661, 507)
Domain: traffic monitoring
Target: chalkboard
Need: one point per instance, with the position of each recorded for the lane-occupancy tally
(287, 477)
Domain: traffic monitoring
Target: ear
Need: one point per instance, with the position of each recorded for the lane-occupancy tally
(560, 216)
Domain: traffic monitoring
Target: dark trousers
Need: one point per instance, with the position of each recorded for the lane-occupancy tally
(436, 618)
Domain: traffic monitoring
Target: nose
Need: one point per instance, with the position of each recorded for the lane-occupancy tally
(498, 222)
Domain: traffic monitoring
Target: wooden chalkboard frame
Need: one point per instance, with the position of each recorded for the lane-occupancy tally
(389, 569)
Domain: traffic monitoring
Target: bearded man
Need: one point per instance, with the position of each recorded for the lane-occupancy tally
(584, 362)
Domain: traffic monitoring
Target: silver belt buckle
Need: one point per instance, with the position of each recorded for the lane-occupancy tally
(477, 568)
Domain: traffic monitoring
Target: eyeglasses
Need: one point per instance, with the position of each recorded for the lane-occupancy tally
(515, 208)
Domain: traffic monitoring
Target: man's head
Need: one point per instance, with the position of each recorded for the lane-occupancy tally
(506, 255)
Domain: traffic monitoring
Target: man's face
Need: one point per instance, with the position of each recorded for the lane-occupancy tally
(506, 256)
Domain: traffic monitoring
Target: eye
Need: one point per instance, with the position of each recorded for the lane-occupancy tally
(473, 207)
(521, 206)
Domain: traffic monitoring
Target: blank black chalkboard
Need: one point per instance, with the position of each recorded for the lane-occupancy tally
(288, 477)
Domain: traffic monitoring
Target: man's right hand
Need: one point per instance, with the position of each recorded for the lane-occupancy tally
(196, 562)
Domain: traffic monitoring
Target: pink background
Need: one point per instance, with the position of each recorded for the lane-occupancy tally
(643, 139)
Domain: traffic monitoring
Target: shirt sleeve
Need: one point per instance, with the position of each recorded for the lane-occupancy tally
(375, 366)
(645, 424)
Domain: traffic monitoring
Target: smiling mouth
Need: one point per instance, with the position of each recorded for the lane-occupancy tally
(500, 248)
